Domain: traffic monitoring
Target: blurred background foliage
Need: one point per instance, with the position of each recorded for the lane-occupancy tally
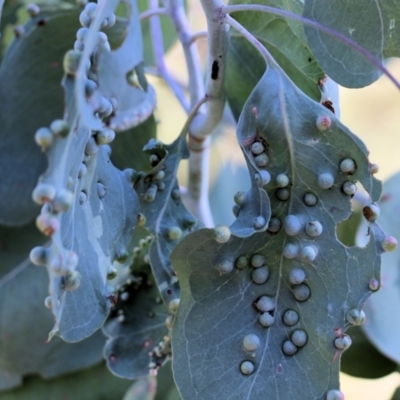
(372, 113)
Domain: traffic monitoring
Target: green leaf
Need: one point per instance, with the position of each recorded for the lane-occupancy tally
(142, 389)
(32, 97)
(286, 42)
(396, 394)
(372, 25)
(127, 146)
(382, 326)
(217, 311)
(166, 388)
(363, 360)
(93, 384)
(23, 288)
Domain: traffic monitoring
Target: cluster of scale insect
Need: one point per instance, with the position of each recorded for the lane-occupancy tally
(138, 278)
(152, 184)
(55, 198)
(266, 305)
(297, 227)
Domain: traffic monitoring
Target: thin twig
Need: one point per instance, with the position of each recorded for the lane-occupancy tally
(252, 39)
(331, 32)
(196, 197)
(198, 35)
(177, 13)
(158, 49)
(153, 11)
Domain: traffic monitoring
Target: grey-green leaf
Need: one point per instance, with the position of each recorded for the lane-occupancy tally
(135, 327)
(93, 232)
(142, 389)
(32, 97)
(286, 42)
(25, 322)
(101, 233)
(370, 24)
(167, 218)
(210, 357)
(382, 309)
(120, 76)
(93, 384)
(127, 146)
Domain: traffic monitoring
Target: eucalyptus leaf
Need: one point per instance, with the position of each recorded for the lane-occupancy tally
(209, 351)
(166, 216)
(166, 388)
(127, 146)
(119, 73)
(371, 24)
(142, 389)
(396, 394)
(93, 232)
(382, 326)
(283, 38)
(135, 327)
(32, 97)
(24, 350)
(95, 383)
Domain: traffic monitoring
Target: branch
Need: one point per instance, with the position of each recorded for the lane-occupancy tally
(253, 40)
(158, 48)
(218, 39)
(196, 197)
(198, 35)
(331, 32)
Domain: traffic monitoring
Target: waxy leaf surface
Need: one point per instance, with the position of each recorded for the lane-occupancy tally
(24, 324)
(382, 326)
(217, 311)
(371, 24)
(32, 98)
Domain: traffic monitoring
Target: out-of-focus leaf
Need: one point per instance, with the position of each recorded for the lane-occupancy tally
(32, 97)
(218, 307)
(142, 389)
(93, 384)
(286, 42)
(396, 395)
(127, 146)
(346, 230)
(25, 322)
(372, 24)
(382, 326)
(363, 360)
(135, 327)
(231, 179)
(166, 388)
